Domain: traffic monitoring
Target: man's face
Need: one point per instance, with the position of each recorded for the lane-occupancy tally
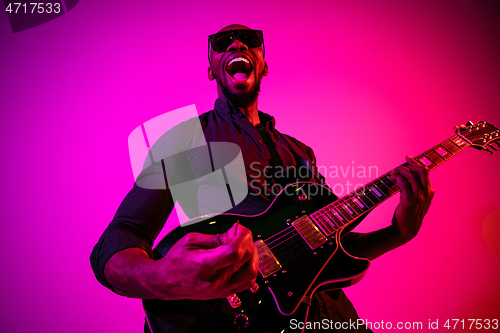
(238, 70)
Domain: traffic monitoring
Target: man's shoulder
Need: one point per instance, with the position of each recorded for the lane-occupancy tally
(300, 144)
(206, 116)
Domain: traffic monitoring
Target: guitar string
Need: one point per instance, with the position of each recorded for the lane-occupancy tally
(325, 216)
(338, 206)
(291, 228)
(296, 247)
(280, 236)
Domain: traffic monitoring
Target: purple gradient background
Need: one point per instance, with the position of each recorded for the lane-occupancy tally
(385, 78)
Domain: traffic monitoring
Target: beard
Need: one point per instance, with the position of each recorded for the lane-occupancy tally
(241, 99)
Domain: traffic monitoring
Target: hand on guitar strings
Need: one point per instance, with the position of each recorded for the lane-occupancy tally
(416, 196)
(203, 266)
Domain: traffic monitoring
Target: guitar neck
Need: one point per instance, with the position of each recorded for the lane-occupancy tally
(348, 208)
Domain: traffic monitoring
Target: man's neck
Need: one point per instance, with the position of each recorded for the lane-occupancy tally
(252, 113)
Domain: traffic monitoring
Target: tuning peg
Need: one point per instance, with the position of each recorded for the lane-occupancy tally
(469, 123)
(487, 151)
(492, 147)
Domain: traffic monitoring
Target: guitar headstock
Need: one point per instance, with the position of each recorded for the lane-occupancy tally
(481, 136)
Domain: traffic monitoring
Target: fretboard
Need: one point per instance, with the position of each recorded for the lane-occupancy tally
(349, 207)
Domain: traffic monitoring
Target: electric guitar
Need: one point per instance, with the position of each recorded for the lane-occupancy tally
(298, 239)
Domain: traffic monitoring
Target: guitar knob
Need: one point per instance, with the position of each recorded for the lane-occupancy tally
(241, 321)
(234, 301)
(255, 288)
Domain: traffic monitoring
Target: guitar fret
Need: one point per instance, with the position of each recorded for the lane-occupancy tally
(335, 213)
(338, 207)
(359, 203)
(370, 195)
(451, 147)
(331, 213)
(353, 205)
(443, 152)
(333, 220)
(330, 220)
(378, 192)
(426, 161)
(385, 191)
(323, 224)
(383, 187)
(459, 142)
(450, 153)
(366, 200)
(325, 215)
(390, 184)
(437, 159)
(349, 207)
(345, 210)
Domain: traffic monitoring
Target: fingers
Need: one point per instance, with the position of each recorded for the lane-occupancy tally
(421, 170)
(423, 173)
(416, 195)
(406, 181)
(242, 260)
(414, 177)
(238, 250)
(212, 270)
(246, 277)
(236, 263)
(402, 177)
(228, 236)
(199, 240)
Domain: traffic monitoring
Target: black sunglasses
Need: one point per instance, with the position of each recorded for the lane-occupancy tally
(221, 40)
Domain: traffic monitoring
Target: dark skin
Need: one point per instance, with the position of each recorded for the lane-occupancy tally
(198, 267)
(218, 62)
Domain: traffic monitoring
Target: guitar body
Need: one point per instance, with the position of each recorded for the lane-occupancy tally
(284, 293)
(300, 253)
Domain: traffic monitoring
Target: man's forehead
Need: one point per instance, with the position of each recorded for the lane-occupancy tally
(234, 27)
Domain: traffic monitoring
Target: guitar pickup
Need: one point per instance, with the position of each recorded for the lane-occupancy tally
(309, 232)
(268, 264)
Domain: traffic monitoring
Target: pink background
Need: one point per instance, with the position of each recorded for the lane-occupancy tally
(384, 78)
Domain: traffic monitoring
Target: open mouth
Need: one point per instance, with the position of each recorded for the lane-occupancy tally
(239, 68)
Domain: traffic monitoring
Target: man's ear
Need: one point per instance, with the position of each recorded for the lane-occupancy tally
(210, 74)
(266, 70)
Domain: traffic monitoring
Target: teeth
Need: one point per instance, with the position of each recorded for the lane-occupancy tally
(238, 59)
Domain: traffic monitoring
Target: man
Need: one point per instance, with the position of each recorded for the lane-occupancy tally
(204, 267)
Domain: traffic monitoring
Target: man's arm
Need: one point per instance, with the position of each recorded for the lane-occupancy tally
(415, 199)
(196, 267)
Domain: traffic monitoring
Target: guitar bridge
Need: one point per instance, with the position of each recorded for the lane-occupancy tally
(268, 264)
